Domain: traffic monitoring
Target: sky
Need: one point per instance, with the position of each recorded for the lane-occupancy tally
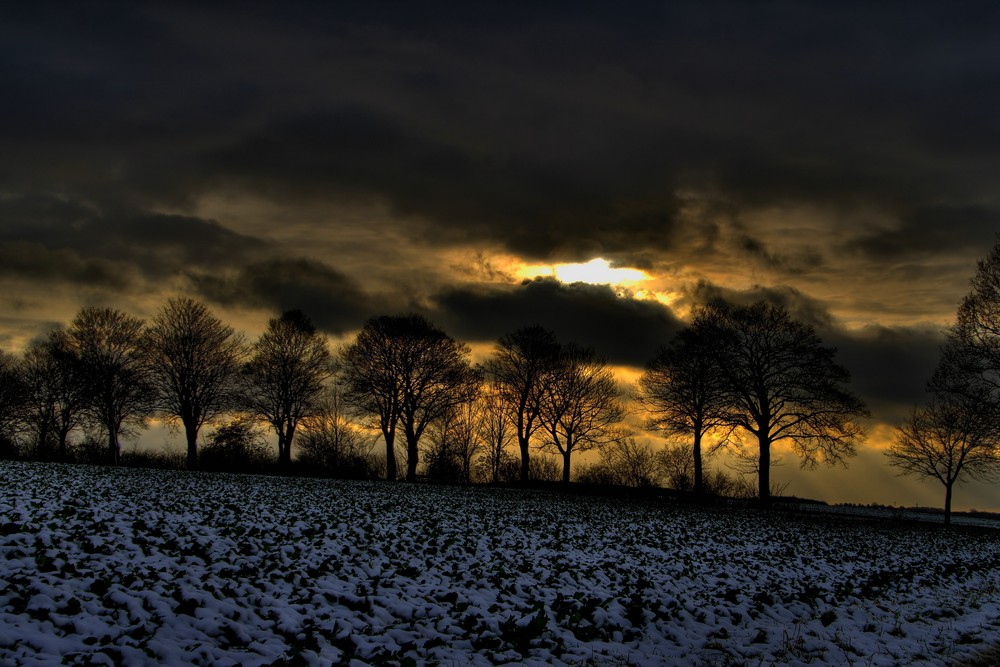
(453, 159)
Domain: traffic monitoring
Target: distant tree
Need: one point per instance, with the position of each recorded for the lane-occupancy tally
(331, 442)
(194, 361)
(632, 463)
(677, 466)
(409, 373)
(442, 463)
(580, 405)
(954, 438)
(545, 469)
(13, 403)
(495, 431)
(284, 380)
(456, 435)
(56, 394)
(683, 388)
(520, 365)
(970, 363)
(108, 344)
(782, 384)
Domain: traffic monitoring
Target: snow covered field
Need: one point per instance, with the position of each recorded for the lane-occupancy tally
(138, 567)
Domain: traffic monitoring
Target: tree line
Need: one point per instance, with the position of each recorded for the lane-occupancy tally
(750, 376)
(737, 377)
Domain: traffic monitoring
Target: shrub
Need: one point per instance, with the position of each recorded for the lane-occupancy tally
(237, 446)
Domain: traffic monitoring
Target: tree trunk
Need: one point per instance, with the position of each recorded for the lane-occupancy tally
(699, 488)
(63, 443)
(412, 457)
(285, 448)
(43, 439)
(947, 503)
(565, 477)
(191, 432)
(764, 473)
(390, 455)
(525, 458)
(114, 454)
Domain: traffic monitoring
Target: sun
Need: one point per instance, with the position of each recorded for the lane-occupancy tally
(597, 271)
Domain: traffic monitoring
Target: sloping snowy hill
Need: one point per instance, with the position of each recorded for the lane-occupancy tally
(138, 567)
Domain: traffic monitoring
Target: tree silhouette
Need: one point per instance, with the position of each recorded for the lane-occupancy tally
(409, 373)
(520, 365)
(194, 360)
(372, 379)
(580, 404)
(683, 389)
(13, 401)
(56, 393)
(284, 379)
(970, 361)
(331, 442)
(782, 384)
(955, 437)
(495, 431)
(108, 344)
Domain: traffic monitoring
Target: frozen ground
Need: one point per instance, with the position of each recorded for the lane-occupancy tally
(138, 567)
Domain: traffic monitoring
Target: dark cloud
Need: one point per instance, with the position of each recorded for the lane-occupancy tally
(800, 306)
(332, 300)
(559, 134)
(462, 193)
(801, 261)
(623, 329)
(933, 229)
(35, 262)
(57, 238)
(890, 366)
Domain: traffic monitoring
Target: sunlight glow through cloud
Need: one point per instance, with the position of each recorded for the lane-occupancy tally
(597, 271)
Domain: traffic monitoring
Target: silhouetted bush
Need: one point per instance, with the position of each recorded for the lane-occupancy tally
(163, 460)
(443, 467)
(91, 450)
(237, 446)
(9, 449)
(545, 469)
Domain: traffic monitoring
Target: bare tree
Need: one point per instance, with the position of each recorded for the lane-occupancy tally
(409, 373)
(581, 404)
(952, 439)
(495, 431)
(632, 463)
(284, 379)
(108, 344)
(683, 389)
(332, 442)
(456, 434)
(372, 379)
(955, 436)
(194, 361)
(520, 365)
(56, 393)
(13, 402)
(677, 466)
(970, 363)
(782, 384)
